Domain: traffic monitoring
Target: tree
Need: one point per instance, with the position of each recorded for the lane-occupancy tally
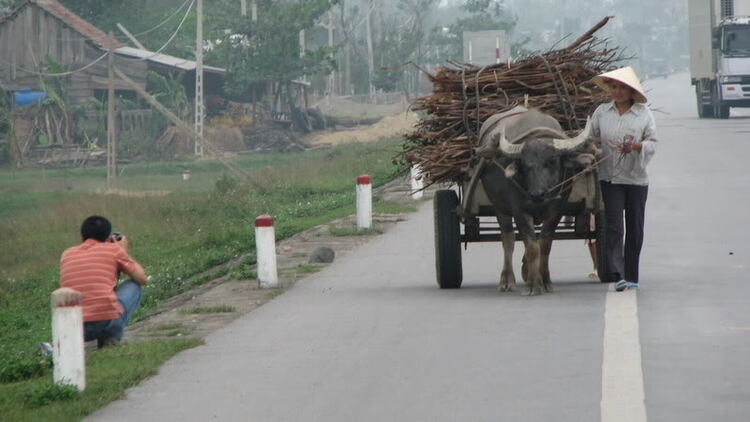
(478, 15)
(269, 48)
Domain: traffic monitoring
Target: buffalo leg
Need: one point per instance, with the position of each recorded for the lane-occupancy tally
(531, 255)
(507, 277)
(545, 245)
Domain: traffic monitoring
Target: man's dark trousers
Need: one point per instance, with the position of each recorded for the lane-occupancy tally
(631, 200)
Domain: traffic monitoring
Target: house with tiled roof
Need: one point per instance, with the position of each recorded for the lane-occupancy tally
(45, 28)
(38, 29)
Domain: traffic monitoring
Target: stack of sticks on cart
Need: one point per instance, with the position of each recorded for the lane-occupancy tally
(556, 82)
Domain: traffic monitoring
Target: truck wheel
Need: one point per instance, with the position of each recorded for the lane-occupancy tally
(602, 266)
(721, 111)
(704, 110)
(447, 240)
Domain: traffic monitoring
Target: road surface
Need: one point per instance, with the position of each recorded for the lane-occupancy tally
(372, 338)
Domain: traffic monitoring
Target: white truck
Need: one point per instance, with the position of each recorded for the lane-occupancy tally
(720, 55)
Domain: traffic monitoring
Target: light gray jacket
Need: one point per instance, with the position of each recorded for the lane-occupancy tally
(637, 125)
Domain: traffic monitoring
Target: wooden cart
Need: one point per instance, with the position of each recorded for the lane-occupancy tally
(466, 215)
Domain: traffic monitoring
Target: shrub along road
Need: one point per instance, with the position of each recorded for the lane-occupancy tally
(372, 338)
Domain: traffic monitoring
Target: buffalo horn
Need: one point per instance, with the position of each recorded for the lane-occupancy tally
(573, 143)
(508, 149)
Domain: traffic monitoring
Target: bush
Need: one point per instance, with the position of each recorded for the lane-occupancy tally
(23, 367)
(48, 393)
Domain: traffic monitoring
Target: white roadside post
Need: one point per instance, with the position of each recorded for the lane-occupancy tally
(68, 354)
(185, 175)
(364, 202)
(265, 249)
(416, 183)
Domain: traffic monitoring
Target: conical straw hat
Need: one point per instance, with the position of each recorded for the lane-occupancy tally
(625, 75)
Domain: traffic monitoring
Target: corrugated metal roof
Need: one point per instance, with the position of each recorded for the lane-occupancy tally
(75, 22)
(166, 60)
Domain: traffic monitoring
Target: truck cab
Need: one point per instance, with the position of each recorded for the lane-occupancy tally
(720, 55)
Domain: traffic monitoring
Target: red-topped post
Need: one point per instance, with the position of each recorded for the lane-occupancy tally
(364, 201)
(265, 249)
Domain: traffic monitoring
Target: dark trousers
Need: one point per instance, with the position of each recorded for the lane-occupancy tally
(630, 200)
(129, 294)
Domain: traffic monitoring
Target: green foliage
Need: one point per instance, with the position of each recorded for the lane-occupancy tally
(169, 91)
(208, 310)
(48, 393)
(353, 231)
(179, 237)
(23, 366)
(226, 185)
(269, 48)
(6, 126)
(109, 372)
(244, 270)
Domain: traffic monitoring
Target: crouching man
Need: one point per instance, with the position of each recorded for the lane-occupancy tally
(93, 268)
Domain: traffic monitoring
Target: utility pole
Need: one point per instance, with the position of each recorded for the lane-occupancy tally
(199, 108)
(254, 10)
(243, 7)
(370, 57)
(332, 77)
(111, 123)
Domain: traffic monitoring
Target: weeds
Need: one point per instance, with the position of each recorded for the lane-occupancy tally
(353, 231)
(208, 310)
(21, 367)
(49, 393)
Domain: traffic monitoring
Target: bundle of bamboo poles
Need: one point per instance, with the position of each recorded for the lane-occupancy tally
(556, 82)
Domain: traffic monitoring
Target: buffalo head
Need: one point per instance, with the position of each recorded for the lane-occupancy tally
(544, 159)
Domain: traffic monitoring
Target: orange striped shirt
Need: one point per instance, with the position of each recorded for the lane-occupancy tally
(92, 269)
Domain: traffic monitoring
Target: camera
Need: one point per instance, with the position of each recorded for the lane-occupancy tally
(117, 236)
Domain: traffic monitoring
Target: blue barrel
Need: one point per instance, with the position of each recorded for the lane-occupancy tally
(26, 96)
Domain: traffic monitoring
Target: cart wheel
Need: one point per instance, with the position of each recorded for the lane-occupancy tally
(602, 266)
(447, 240)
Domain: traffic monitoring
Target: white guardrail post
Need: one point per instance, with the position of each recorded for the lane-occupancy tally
(416, 183)
(68, 355)
(265, 249)
(364, 202)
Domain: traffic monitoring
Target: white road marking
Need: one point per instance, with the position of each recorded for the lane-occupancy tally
(623, 397)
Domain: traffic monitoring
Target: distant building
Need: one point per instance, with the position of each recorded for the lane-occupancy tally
(483, 48)
(38, 29)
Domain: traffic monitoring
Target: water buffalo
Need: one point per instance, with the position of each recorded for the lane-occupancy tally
(527, 158)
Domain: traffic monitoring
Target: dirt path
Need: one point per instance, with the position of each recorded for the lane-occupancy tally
(388, 127)
(214, 304)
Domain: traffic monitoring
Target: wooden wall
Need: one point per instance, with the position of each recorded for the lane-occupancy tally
(33, 33)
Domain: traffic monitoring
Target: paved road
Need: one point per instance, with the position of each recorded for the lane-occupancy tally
(371, 338)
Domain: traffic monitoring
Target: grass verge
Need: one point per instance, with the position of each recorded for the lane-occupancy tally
(108, 373)
(181, 237)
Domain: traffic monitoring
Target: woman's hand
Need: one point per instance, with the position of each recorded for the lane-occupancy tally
(627, 147)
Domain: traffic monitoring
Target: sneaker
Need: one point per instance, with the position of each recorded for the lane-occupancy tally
(45, 348)
(621, 285)
(631, 286)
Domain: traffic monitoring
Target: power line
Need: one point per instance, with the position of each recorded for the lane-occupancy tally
(156, 53)
(184, 18)
(120, 38)
(70, 72)
(164, 21)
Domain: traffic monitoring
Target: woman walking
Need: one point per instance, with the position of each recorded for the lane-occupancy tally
(628, 139)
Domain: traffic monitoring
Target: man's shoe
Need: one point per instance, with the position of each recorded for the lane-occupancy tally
(108, 342)
(621, 285)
